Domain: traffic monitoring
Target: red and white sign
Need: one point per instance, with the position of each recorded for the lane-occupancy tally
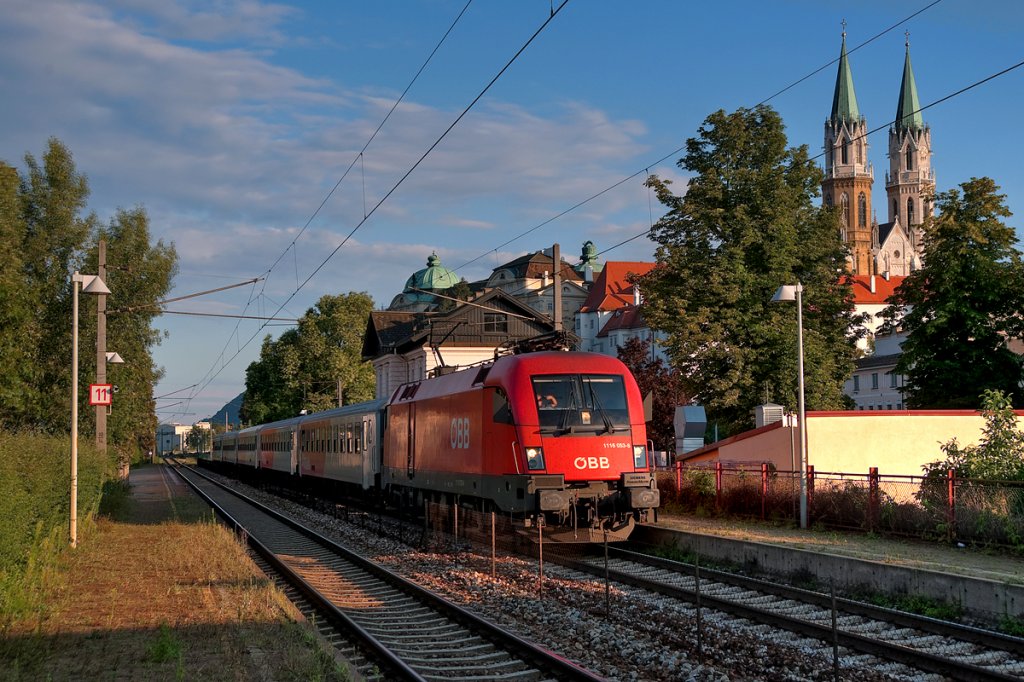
(100, 394)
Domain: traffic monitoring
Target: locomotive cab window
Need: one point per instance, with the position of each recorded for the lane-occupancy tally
(581, 403)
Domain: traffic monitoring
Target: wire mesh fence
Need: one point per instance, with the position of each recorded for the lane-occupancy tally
(936, 506)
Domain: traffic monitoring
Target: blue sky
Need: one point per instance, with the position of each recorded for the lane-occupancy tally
(230, 121)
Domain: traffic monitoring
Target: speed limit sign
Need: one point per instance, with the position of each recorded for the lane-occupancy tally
(100, 394)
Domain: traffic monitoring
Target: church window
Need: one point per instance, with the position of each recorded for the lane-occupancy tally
(846, 151)
(910, 158)
(828, 200)
(895, 210)
(910, 212)
(862, 210)
(860, 152)
(896, 254)
(844, 201)
(828, 158)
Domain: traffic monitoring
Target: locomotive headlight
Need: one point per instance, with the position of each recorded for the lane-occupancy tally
(534, 459)
(639, 456)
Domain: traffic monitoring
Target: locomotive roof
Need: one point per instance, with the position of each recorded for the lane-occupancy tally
(506, 371)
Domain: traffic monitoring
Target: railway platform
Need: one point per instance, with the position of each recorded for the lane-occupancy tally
(987, 585)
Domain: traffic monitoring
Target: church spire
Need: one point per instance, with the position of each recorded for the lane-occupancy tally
(908, 115)
(844, 101)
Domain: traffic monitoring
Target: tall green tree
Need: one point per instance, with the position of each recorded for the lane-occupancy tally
(745, 226)
(139, 274)
(964, 305)
(654, 377)
(53, 199)
(16, 311)
(306, 366)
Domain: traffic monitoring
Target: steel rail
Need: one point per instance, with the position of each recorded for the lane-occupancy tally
(967, 633)
(546, 660)
(919, 660)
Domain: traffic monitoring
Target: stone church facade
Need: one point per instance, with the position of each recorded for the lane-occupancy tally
(894, 247)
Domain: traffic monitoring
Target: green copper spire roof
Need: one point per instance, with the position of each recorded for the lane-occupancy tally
(844, 101)
(908, 116)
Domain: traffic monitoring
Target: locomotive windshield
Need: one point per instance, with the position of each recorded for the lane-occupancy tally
(581, 403)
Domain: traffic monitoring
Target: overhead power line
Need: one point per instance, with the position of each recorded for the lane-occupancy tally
(554, 12)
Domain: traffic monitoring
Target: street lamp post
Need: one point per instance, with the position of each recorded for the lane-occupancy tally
(789, 292)
(91, 284)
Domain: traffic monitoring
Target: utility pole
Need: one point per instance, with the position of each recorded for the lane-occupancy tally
(556, 256)
(101, 350)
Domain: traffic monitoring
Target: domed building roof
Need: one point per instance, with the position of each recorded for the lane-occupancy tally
(417, 294)
(434, 277)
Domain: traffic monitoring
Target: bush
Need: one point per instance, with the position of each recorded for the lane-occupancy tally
(35, 483)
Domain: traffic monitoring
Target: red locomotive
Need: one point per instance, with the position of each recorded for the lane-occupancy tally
(556, 438)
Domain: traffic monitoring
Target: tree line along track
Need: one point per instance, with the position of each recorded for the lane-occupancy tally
(406, 631)
(950, 649)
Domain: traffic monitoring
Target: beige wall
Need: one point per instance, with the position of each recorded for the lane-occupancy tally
(898, 443)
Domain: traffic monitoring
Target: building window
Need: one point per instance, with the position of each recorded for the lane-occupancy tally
(910, 212)
(910, 158)
(874, 380)
(844, 201)
(862, 210)
(892, 380)
(495, 323)
(856, 383)
(895, 210)
(846, 151)
(828, 200)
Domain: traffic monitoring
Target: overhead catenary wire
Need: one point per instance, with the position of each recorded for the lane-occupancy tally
(292, 244)
(207, 380)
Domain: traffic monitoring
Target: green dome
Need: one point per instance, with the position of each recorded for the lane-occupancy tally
(434, 277)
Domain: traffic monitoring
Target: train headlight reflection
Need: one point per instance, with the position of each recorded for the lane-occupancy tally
(534, 459)
(639, 456)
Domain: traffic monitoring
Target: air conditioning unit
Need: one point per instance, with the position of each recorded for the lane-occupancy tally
(769, 413)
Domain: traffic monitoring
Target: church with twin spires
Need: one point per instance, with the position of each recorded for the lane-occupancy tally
(895, 246)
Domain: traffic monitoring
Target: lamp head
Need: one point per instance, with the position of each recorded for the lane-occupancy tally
(114, 359)
(787, 292)
(92, 284)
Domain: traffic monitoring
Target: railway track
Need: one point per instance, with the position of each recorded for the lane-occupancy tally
(403, 631)
(949, 649)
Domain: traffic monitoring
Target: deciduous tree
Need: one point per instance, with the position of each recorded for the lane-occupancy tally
(961, 309)
(654, 377)
(305, 366)
(745, 226)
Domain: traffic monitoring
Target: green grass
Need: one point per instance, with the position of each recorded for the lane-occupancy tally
(35, 484)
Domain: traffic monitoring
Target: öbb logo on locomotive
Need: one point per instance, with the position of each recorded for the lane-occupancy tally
(460, 433)
(553, 440)
(591, 463)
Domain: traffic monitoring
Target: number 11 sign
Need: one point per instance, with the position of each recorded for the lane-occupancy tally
(100, 394)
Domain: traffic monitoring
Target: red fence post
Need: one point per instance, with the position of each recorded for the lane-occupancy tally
(872, 497)
(810, 492)
(718, 485)
(950, 505)
(764, 490)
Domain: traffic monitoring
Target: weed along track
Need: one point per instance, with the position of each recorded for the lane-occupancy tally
(402, 630)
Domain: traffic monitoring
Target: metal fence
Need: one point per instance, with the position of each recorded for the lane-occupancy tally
(938, 506)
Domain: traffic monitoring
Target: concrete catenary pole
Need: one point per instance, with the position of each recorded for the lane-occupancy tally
(101, 350)
(556, 257)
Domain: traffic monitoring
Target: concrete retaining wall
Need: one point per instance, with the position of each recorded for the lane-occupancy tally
(986, 599)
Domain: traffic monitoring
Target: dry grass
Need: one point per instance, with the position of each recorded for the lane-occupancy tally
(166, 594)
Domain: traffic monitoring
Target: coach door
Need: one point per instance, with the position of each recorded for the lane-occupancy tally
(411, 441)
